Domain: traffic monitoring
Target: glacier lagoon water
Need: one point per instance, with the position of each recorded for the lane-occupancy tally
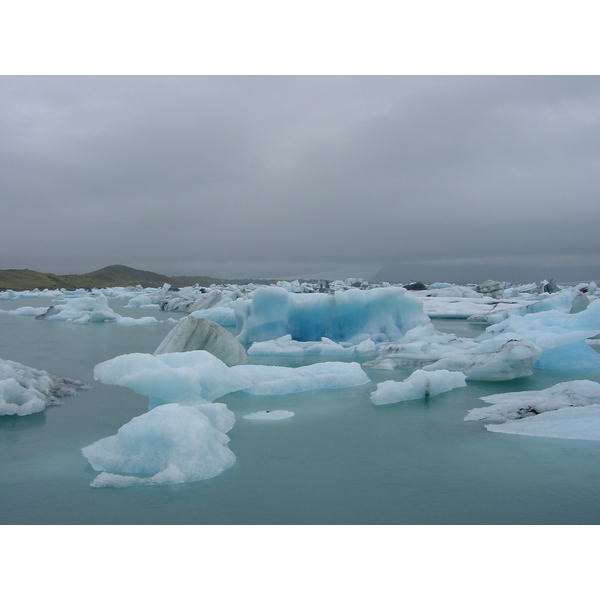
(339, 460)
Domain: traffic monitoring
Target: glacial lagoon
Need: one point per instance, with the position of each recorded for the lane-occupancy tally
(339, 460)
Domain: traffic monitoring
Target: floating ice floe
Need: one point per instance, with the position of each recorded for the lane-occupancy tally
(567, 410)
(420, 346)
(285, 346)
(167, 445)
(187, 378)
(562, 301)
(25, 390)
(579, 423)
(561, 336)
(269, 380)
(420, 384)
(269, 415)
(501, 358)
(382, 314)
(81, 310)
(195, 377)
(192, 333)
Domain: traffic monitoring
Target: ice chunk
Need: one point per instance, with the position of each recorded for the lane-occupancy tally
(383, 314)
(90, 309)
(421, 346)
(518, 405)
(81, 310)
(285, 346)
(169, 444)
(577, 423)
(192, 333)
(498, 359)
(559, 301)
(206, 301)
(491, 288)
(420, 384)
(269, 415)
(25, 390)
(269, 381)
(552, 328)
(191, 377)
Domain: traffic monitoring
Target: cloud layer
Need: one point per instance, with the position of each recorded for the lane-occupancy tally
(455, 178)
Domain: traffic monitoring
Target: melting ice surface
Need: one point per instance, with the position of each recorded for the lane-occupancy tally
(566, 410)
(402, 462)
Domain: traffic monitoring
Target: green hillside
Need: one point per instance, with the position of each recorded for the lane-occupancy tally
(112, 276)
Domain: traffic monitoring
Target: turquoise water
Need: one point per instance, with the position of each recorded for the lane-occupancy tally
(340, 460)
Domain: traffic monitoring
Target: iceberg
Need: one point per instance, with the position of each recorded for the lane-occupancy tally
(577, 423)
(557, 334)
(81, 310)
(497, 359)
(192, 333)
(268, 380)
(188, 378)
(568, 410)
(420, 346)
(501, 358)
(285, 346)
(169, 444)
(420, 384)
(25, 390)
(562, 301)
(382, 314)
(518, 405)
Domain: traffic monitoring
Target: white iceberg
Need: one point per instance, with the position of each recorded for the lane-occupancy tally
(568, 410)
(189, 378)
(169, 444)
(25, 390)
(577, 423)
(518, 405)
(420, 384)
(497, 359)
(501, 358)
(269, 380)
(286, 346)
(561, 336)
(82, 310)
(420, 346)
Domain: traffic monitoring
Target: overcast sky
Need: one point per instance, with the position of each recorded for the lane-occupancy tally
(441, 178)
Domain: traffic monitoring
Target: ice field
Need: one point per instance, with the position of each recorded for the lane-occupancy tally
(353, 404)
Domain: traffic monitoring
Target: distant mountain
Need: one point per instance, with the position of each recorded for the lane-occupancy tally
(120, 275)
(111, 276)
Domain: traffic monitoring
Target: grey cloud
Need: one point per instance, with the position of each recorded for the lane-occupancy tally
(271, 176)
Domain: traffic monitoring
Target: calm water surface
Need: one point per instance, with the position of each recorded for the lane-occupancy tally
(340, 460)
